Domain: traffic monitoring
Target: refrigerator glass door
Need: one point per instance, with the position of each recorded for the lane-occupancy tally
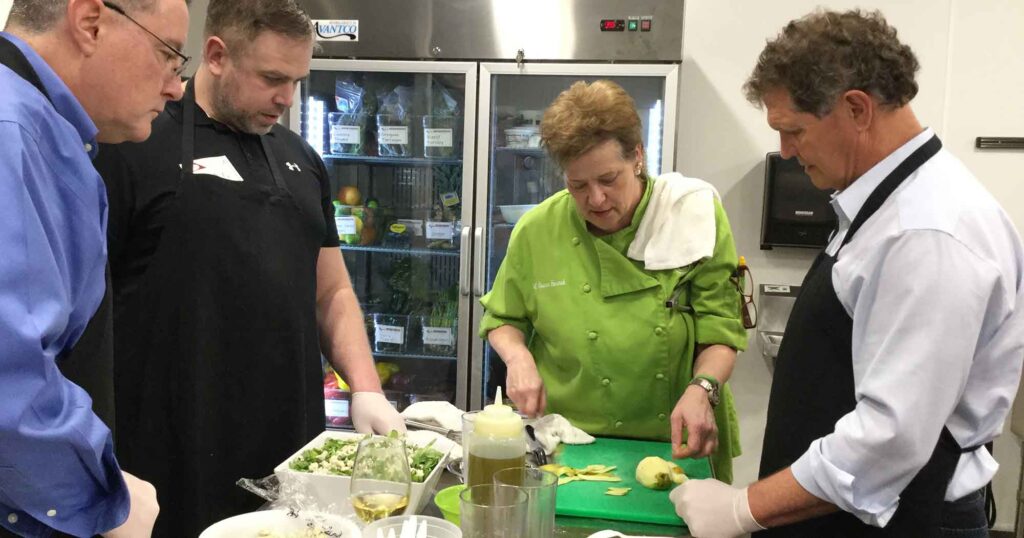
(519, 174)
(393, 137)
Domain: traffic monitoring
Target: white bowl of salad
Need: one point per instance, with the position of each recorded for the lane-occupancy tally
(283, 524)
(318, 474)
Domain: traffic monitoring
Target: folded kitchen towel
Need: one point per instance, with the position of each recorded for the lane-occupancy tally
(443, 414)
(678, 227)
(553, 429)
(549, 429)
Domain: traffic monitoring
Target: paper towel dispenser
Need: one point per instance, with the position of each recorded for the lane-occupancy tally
(795, 212)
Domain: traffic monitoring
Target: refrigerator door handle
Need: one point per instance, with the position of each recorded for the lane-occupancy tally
(465, 251)
(478, 259)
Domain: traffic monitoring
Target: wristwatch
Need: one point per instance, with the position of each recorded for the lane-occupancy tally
(709, 385)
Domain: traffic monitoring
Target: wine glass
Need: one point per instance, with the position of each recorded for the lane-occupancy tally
(381, 480)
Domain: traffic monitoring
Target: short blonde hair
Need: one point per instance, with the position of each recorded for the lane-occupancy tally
(586, 115)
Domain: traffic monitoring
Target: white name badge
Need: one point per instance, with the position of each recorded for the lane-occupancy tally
(216, 166)
(437, 138)
(389, 134)
(440, 230)
(346, 134)
(437, 336)
(390, 334)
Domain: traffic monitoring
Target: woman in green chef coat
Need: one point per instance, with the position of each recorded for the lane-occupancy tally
(616, 305)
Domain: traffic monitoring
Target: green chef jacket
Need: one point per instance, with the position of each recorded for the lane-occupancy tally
(614, 359)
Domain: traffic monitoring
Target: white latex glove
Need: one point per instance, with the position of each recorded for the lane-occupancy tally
(714, 509)
(373, 413)
(143, 512)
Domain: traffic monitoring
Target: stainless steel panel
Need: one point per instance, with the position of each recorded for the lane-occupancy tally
(550, 30)
(465, 252)
(775, 302)
(479, 256)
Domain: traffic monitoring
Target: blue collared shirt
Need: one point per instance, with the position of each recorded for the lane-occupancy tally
(57, 466)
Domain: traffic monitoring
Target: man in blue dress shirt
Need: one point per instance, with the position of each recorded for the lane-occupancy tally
(72, 73)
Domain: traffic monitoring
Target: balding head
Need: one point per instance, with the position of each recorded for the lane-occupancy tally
(38, 16)
(118, 57)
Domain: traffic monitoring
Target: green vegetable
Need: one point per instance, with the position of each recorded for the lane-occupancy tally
(337, 455)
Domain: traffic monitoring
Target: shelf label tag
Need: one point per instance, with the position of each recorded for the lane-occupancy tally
(415, 226)
(336, 408)
(437, 336)
(346, 225)
(440, 230)
(390, 334)
(346, 134)
(389, 134)
(437, 138)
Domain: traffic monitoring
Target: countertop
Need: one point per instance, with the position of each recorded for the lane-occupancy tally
(573, 527)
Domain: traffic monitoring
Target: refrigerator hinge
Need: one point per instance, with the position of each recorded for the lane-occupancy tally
(520, 56)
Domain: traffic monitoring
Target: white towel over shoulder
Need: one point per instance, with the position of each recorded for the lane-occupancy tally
(678, 227)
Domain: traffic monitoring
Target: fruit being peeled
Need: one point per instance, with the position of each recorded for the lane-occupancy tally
(655, 473)
(349, 195)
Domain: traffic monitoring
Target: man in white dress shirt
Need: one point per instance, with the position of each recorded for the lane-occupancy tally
(903, 352)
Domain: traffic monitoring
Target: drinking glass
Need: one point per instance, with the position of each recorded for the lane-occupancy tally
(492, 511)
(540, 488)
(381, 480)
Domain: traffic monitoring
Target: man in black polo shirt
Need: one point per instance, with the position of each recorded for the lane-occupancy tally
(228, 279)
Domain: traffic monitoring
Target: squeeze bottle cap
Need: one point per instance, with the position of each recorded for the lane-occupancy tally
(498, 420)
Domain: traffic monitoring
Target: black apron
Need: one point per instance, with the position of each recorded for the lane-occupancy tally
(217, 356)
(89, 363)
(813, 388)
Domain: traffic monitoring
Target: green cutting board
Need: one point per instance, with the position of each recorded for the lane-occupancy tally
(587, 499)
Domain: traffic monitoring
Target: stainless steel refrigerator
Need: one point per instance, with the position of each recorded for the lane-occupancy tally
(426, 114)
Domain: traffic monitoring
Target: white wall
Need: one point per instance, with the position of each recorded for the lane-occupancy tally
(5, 8)
(723, 139)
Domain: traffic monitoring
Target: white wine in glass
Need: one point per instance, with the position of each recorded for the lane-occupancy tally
(373, 506)
(381, 480)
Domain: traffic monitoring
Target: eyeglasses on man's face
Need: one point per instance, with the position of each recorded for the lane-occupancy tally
(178, 61)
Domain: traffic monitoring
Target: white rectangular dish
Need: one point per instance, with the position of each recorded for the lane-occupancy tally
(330, 493)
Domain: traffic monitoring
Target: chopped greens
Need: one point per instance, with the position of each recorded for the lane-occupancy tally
(337, 455)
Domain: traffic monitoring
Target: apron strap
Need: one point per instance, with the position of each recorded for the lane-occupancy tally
(15, 60)
(188, 130)
(272, 162)
(891, 182)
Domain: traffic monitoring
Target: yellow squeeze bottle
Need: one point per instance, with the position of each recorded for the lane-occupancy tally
(497, 441)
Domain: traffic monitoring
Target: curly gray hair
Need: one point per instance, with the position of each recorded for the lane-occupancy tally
(818, 57)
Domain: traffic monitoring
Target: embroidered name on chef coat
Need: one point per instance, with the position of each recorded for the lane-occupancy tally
(549, 284)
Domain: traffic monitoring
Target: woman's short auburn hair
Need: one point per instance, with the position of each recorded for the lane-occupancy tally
(586, 115)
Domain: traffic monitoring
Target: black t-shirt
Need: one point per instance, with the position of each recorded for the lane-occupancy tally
(142, 181)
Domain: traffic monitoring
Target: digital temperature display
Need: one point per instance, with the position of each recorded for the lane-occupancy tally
(613, 25)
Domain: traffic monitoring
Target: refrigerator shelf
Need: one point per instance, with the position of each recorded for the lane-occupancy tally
(396, 355)
(453, 253)
(400, 161)
(525, 151)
